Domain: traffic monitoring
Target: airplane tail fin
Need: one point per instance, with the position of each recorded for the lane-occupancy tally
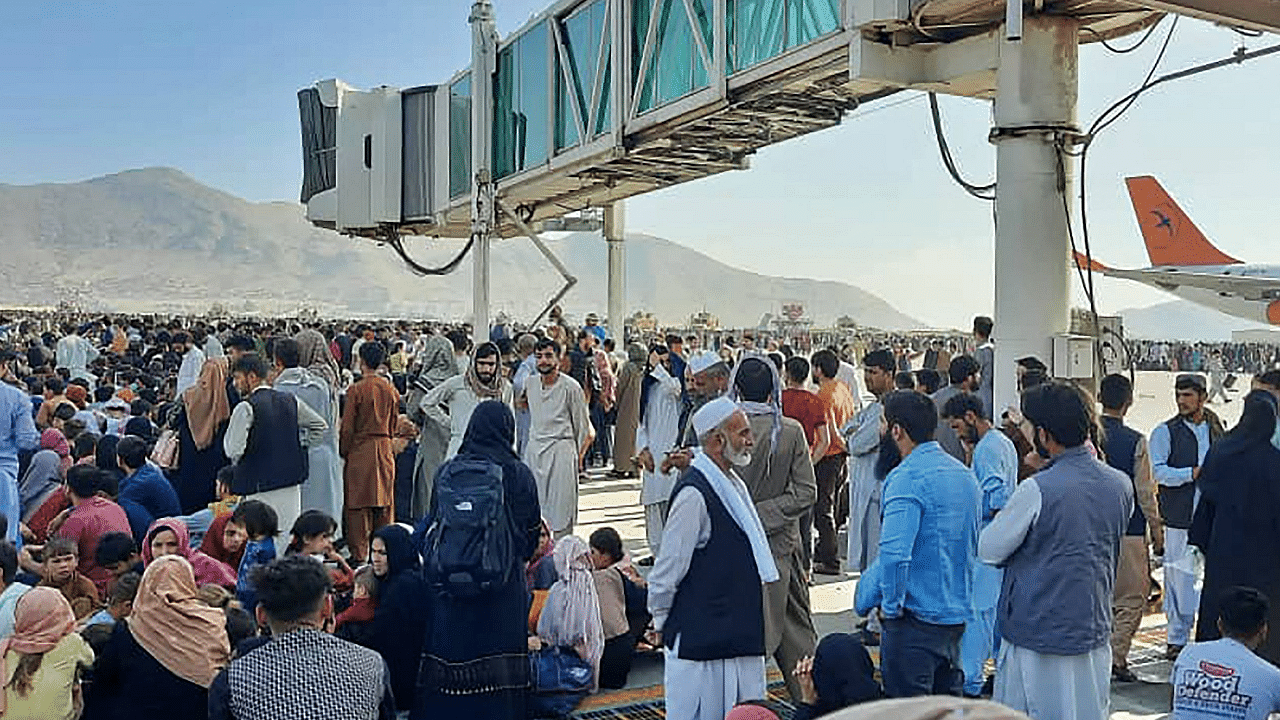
(1085, 263)
(1171, 237)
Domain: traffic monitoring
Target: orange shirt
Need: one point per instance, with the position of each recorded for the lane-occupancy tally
(838, 401)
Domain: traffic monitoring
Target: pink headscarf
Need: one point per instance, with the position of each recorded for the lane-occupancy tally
(41, 618)
(53, 439)
(751, 712)
(206, 569)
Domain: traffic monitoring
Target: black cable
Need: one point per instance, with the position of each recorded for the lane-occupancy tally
(1122, 51)
(396, 244)
(982, 192)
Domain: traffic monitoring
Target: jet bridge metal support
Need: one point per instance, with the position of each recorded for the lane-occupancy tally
(484, 51)
(1035, 124)
(614, 231)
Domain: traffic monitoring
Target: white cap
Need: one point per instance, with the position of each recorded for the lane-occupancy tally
(704, 361)
(710, 416)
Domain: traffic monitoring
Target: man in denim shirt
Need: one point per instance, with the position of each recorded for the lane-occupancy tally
(921, 579)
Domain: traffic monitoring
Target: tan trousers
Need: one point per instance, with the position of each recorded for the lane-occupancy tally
(361, 524)
(1133, 582)
(788, 624)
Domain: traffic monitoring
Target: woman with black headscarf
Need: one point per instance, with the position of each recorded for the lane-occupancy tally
(1237, 522)
(397, 627)
(474, 660)
(839, 675)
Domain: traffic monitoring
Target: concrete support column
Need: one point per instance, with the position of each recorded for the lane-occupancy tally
(614, 230)
(1035, 108)
(484, 48)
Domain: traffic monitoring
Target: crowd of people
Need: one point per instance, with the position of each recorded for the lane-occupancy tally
(260, 519)
(1243, 358)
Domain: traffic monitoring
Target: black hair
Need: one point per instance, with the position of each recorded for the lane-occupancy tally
(882, 359)
(287, 352)
(103, 393)
(928, 380)
(124, 589)
(8, 561)
(1115, 391)
(826, 362)
(673, 339)
(754, 380)
(1190, 381)
(308, 525)
(1031, 362)
(547, 344)
(97, 636)
(913, 412)
(58, 547)
(65, 411)
(373, 354)
(904, 380)
(86, 444)
(84, 480)
(962, 404)
(114, 547)
(250, 363)
(180, 338)
(982, 325)
(55, 385)
(486, 350)
(1033, 378)
(797, 369)
(139, 407)
(240, 342)
(607, 541)
(258, 518)
(962, 368)
(291, 587)
(1060, 409)
(133, 451)
(1243, 611)
(240, 625)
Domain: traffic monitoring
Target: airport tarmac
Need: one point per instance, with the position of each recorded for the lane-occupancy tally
(615, 503)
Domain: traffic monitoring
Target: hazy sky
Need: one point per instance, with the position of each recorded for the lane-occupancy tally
(94, 88)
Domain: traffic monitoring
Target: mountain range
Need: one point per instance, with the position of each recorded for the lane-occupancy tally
(157, 240)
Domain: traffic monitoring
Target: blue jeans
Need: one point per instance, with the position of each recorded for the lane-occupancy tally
(918, 658)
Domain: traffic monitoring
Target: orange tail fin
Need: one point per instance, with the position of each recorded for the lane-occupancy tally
(1084, 263)
(1171, 237)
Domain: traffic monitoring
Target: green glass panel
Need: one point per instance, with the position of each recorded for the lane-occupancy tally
(583, 32)
(808, 20)
(758, 32)
(460, 137)
(520, 115)
(604, 112)
(675, 68)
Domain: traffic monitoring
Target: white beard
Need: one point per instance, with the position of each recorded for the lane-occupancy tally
(738, 459)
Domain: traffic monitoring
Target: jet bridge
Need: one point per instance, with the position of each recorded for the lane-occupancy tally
(595, 101)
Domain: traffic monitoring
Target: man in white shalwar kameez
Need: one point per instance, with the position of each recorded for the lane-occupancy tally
(75, 354)
(559, 434)
(706, 590)
(1058, 540)
(451, 402)
(656, 435)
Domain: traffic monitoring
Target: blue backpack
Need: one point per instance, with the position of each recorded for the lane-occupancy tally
(469, 544)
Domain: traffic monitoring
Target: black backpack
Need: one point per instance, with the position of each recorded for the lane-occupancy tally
(469, 545)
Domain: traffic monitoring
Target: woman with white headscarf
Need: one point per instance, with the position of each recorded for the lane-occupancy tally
(571, 616)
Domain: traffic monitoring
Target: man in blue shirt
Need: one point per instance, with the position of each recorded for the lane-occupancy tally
(995, 466)
(921, 579)
(144, 485)
(1226, 678)
(1178, 448)
(17, 433)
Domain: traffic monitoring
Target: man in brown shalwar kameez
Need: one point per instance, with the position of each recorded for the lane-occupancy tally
(369, 478)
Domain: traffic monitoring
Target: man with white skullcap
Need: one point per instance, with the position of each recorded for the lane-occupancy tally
(706, 590)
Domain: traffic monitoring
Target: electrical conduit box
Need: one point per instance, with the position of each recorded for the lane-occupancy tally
(1073, 357)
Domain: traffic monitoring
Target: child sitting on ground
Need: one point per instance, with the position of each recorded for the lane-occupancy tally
(261, 525)
(353, 623)
(119, 601)
(60, 558)
(620, 589)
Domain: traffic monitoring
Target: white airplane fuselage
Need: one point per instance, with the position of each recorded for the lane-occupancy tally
(1263, 307)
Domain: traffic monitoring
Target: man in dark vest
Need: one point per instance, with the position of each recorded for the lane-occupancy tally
(1058, 539)
(266, 441)
(1178, 447)
(706, 590)
(1126, 451)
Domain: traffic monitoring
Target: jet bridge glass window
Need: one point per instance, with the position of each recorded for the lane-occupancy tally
(582, 85)
(759, 30)
(522, 89)
(460, 137)
(671, 49)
